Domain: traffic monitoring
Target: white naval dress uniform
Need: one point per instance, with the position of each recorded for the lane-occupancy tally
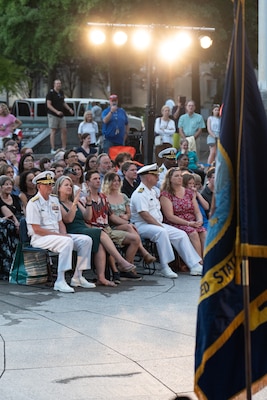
(166, 236)
(47, 214)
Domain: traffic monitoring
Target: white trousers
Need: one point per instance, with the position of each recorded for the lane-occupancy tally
(64, 245)
(167, 236)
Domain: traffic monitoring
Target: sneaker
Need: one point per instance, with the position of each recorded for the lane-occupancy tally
(196, 270)
(130, 276)
(116, 277)
(53, 151)
(82, 282)
(168, 273)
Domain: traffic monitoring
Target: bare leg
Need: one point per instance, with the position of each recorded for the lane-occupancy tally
(133, 242)
(100, 263)
(202, 236)
(111, 249)
(64, 138)
(212, 154)
(195, 240)
(52, 138)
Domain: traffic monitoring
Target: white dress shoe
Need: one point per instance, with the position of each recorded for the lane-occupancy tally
(63, 287)
(82, 282)
(168, 273)
(196, 270)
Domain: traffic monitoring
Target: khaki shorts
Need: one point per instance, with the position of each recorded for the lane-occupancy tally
(116, 236)
(56, 122)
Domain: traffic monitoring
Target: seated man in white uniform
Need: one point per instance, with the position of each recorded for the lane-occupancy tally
(47, 231)
(147, 217)
(168, 161)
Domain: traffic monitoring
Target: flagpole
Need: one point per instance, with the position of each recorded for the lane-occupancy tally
(246, 300)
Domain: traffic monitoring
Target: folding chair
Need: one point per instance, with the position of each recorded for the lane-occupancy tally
(115, 150)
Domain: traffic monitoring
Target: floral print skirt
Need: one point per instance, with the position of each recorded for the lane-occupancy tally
(9, 240)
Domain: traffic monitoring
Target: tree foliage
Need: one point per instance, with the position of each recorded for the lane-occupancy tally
(12, 76)
(45, 35)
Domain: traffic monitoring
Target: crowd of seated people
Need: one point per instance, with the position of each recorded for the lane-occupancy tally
(109, 189)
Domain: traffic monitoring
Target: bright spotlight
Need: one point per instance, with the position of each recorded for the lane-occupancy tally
(120, 38)
(168, 52)
(97, 36)
(183, 40)
(205, 42)
(141, 39)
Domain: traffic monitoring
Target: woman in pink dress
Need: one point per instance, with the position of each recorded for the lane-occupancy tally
(180, 209)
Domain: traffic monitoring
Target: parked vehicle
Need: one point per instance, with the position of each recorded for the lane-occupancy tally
(34, 110)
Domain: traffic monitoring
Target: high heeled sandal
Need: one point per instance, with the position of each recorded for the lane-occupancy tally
(148, 259)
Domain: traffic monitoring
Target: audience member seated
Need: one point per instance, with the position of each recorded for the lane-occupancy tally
(2, 158)
(58, 169)
(70, 156)
(119, 160)
(180, 209)
(193, 164)
(90, 162)
(11, 212)
(102, 216)
(11, 158)
(45, 164)
(47, 231)
(103, 165)
(208, 190)
(26, 164)
(193, 182)
(120, 206)
(27, 188)
(131, 179)
(75, 216)
(168, 161)
(85, 149)
(148, 219)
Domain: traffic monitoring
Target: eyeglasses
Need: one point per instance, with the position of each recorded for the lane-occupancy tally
(74, 156)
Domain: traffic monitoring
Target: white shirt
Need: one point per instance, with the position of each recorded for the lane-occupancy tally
(165, 129)
(144, 199)
(89, 127)
(45, 213)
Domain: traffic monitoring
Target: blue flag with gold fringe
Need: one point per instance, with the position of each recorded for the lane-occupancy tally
(237, 230)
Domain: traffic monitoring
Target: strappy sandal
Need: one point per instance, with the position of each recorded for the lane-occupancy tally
(107, 283)
(128, 268)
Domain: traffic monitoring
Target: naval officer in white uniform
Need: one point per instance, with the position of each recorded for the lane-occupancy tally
(147, 217)
(47, 231)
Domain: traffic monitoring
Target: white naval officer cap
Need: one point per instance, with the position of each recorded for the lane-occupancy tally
(170, 153)
(45, 177)
(148, 169)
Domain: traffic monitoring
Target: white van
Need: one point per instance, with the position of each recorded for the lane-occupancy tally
(34, 110)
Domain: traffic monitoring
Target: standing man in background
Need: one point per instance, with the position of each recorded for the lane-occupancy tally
(115, 126)
(190, 126)
(55, 104)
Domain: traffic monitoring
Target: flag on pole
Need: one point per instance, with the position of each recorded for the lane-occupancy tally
(237, 230)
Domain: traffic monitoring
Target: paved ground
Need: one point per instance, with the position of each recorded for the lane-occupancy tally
(135, 341)
(132, 342)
